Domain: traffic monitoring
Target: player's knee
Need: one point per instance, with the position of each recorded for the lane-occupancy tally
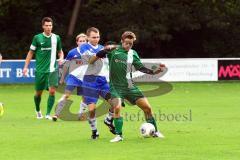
(38, 93)
(92, 113)
(117, 109)
(52, 91)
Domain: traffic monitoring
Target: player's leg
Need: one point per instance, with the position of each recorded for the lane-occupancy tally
(83, 106)
(40, 85)
(37, 101)
(90, 92)
(105, 93)
(62, 101)
(117, 96)
(145, 106)
(118, 120)
(92, 120)
(52, 83)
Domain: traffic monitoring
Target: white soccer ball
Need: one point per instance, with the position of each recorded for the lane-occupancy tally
(1, 109)
(147, 130)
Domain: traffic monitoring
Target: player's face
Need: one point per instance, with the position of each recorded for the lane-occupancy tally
(127, 44)
(81, 40)
(94, 38)
(47, 28)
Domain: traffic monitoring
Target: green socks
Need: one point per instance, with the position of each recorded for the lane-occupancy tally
(152, 121)
(50, 103)
(118, 123)
(37, 100)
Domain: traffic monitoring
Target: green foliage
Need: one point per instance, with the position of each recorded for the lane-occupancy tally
(174, 28)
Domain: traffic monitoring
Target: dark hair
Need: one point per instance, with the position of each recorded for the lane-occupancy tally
(92, 29)
(128, 34)
(46, 19)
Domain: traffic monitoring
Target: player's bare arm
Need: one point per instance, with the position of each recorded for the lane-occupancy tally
(102, 53)
(61, 57)
(27, 61)
(65, 68)
(160, 69)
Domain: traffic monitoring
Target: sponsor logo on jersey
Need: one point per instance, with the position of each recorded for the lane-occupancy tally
(120, 61)
(46, 49)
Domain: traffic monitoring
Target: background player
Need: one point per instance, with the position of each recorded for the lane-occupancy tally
(72, 65)
(45, 46)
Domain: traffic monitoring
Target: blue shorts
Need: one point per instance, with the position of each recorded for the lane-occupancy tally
(72, 83)
(93, 87)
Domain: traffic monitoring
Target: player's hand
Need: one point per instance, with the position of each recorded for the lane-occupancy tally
(161, 68)
(60, 62)
(110, 47)
(61, 81)
(25, 71)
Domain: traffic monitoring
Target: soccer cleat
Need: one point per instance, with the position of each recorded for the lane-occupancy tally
(39, 115)
(158, 135)
(54, 118)
(95, 135)
(118, 138)
(48, 117)
(109, 123)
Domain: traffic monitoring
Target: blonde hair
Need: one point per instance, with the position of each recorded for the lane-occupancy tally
(81, 35)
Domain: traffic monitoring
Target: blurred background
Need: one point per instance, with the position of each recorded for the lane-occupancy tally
(164, 28)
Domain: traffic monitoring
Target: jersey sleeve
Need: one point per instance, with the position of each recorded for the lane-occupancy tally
(136, 61)
(59, 44)
(33, 46)
(109, 55)
(70, 55)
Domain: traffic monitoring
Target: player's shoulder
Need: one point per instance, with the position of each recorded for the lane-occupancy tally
(84, 46)
(72, 53)
(73, 50)
(100, 46)
(134, 52)
(39, 35)
(57, 36)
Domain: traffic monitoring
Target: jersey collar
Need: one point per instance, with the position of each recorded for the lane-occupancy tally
(47, 35)
(95, 47)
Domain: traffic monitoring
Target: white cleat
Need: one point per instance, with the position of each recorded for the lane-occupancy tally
(39, 115)
(158, 135)
(48, 117)
(118, 138)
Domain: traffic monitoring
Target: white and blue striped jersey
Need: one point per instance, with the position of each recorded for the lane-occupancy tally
(75, 64)
(100, 67)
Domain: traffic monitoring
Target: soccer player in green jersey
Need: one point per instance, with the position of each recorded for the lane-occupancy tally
(45, 46)
(121, 61)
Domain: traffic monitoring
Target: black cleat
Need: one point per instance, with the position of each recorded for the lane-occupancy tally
(95, 134)
(54, 118)
(110, 125)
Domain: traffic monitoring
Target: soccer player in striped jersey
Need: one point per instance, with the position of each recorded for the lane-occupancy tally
(46, 46)
(73, 64)
(121, 61)
(94, 82)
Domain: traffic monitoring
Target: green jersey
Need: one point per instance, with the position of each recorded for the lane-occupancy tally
(46, 49)
(120, 67)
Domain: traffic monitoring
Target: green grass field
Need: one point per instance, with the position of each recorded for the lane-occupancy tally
(209, 131)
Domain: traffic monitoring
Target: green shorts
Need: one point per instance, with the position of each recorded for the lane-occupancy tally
(130, 94)
(45, 80)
